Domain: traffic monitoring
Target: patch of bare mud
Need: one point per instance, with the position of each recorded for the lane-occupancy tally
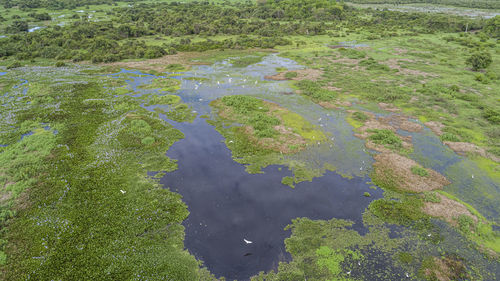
(394, 168)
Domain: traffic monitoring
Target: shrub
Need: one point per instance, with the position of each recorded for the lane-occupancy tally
(479, 60)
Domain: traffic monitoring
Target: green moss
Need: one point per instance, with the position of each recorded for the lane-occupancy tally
(367, 194)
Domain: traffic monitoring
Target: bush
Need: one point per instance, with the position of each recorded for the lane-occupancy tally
(479, 60)
(60, 64)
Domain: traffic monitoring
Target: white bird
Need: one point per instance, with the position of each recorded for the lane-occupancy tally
(472, 176)
(230, 141)
(319, 119)
(256, 82)
(429, 235)
(247, 241)
(407, 275)
(230, 80)
(361, 168)
(348, 272)
(122, 191)
(359, 263)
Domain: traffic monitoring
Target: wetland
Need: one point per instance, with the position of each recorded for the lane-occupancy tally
(319, 149)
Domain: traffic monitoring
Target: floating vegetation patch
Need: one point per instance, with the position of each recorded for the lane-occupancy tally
(163, 84)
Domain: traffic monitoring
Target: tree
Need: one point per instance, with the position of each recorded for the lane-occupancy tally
(479, 60)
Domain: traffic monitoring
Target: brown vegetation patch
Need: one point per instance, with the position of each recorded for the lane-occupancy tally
(388, 107)
(464, 148)
(392, 167)
(302, 74)
(401, 122)
(158, 64)
(335, 105)
(447, 209)
(435, 127)
(446, 269)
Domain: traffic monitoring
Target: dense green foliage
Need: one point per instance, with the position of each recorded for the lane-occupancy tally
(484, 4)
(479, 60)
(260, 25)
(386, 137)
(92, 212)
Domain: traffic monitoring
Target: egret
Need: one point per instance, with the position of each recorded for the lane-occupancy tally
(348, 272)
(122, 191)
(247, 241)
(472, 176)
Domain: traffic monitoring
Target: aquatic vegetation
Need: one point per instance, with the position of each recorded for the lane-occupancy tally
(164, 84)
(93, 175)
(260, 133)
(385, 137)
(246, 61)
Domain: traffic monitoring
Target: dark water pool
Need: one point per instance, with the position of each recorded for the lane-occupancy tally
(228, 205)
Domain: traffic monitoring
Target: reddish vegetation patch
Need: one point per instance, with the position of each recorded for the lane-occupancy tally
(335, 105)
(464, 148)
(388, 107)
(302, 74)
(447, 209)
(435, 127)
(392, 167)
(401, 122)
